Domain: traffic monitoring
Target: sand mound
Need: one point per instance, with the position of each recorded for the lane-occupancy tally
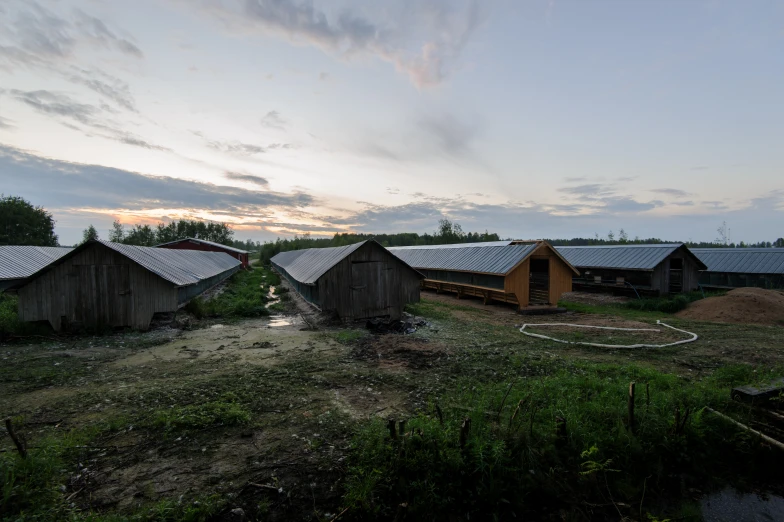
(742, 305)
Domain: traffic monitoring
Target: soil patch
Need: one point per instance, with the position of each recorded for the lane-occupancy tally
(591, 298)
(392, 351)
(742, 305)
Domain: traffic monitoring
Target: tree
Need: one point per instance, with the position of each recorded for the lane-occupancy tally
(23, 224)
(89, 233)
(610, 236)
(779, 243)
(141, 235)
(117, 233)
(623, 237)
(724, 234)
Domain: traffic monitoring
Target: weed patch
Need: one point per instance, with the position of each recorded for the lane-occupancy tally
(225, 412)
(245, 295)
(495, 452)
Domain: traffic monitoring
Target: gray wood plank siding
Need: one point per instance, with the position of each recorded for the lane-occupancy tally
(96, 287)
(370, 282)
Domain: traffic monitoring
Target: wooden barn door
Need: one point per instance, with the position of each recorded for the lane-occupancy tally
(104, 295)
(372, 291)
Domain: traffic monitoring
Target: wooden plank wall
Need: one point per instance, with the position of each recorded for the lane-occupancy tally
(390, 285)
(97, 286)
(517, 282)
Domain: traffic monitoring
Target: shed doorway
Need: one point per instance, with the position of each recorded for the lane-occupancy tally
(676, 276)
(539, 282)
(372, 294)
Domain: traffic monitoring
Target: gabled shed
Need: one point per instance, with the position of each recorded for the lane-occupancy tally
(357, 281)
(658, 269)
(100, 283)
(742, 267)
(523, 273)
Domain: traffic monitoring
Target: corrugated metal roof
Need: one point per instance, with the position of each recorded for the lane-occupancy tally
(742, 260)
(630, 257)
(455, 245)
(18, 262)
(307, 265)
(181, 267)
(204, 242)
(491, 260)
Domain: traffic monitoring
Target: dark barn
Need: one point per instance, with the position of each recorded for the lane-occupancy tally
(357, 281)
(190, 243)
(110, 284)
(651, 269)
(742, 267)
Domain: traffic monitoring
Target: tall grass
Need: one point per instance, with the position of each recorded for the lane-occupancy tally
(513, 462)
(245, 295)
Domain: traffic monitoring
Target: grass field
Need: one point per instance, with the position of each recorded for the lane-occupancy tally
(292, 423)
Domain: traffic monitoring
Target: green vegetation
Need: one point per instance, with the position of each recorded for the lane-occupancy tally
(21, 223)
(145, 235)
(559, 441)
(349, 336)
(645, 308)
(224, 412)
(10, 325)
(245, 295)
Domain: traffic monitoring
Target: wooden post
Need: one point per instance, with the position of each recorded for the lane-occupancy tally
(402, 428)
(19, 445)
(391, 428)
(631, 406)
(647, 394)
(440, 415)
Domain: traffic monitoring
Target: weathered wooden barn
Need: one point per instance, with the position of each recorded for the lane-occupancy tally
(190, 243)
(650, 269)
(20, 262)
(523, 273)
(742, 267)
(357, 281)
(110, 284)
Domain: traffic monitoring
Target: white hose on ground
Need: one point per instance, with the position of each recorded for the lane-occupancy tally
(693, 338)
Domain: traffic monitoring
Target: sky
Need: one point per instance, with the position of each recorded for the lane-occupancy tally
(532, 119)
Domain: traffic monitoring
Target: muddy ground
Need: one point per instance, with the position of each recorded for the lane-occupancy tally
(306, 390)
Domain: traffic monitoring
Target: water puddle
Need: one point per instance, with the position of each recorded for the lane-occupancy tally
(280, 320)
(273, 298)
(730, 505)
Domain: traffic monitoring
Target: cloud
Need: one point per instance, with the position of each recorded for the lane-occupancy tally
(239, 148)
(423, 40)
(676, 193)
(575, 180)
(63, 108)
(701, 167)
(96, 30)
(589, 189)
(6, 124)
(451, 135)
(61, 184)
(106, 85)
(40, 39)
(273, 120)
(323, 76)
(248, 178)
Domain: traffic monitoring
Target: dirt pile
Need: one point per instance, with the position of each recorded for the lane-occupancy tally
(742, 305)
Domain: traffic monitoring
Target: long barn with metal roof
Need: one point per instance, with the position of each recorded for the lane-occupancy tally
(192, 243)
(100, 283)
(657, 269)
(19, 262)
(742, 267)
(356, 281)
(518, 272)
